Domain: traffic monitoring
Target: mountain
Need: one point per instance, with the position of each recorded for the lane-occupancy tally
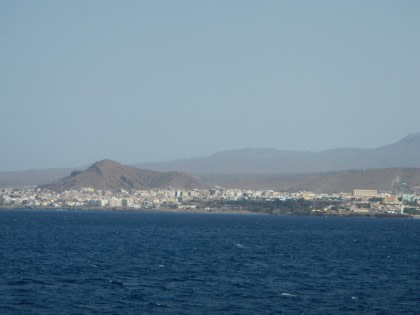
(405, 180)
(404, 153)
(111, 175)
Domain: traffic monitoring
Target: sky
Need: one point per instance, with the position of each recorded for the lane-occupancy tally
(144, 81)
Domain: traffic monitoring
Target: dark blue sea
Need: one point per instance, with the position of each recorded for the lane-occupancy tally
(81, 262)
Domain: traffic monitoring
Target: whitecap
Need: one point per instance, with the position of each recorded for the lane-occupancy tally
(288, 294)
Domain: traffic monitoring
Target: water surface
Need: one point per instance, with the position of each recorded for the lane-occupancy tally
(132, 262)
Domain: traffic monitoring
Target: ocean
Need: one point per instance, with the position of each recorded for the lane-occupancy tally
(121, 262)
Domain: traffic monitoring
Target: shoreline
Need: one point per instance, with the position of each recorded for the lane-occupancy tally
(217, 211)
(165, 210)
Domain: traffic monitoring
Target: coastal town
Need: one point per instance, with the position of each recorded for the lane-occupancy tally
(218, 199)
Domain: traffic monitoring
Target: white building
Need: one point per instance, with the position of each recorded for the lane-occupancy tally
(365, 193)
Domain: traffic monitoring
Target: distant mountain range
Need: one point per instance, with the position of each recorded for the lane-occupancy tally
(391, 167)
(111, 175)
(404, 153)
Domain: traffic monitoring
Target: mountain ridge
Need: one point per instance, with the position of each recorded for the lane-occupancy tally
(403, 153)
(111, 175)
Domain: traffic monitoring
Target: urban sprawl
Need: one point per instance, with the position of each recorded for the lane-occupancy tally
(360, 202)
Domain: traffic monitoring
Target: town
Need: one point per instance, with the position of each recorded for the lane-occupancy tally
(360, 202)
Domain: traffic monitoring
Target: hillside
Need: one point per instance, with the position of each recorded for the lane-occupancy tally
(110, 175)
(404, 153)
(391, 179)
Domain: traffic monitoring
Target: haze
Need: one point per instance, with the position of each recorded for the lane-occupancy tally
(143, 81)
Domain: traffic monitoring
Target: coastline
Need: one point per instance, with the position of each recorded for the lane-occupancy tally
(165, 210)
(216, 211)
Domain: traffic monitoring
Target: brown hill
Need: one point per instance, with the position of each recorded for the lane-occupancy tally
(405, 180)
(110, 175)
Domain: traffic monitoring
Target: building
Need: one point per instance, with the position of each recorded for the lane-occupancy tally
(408, 198)
(127, 202)
(390, 199)
(115, 202)
(365, 193)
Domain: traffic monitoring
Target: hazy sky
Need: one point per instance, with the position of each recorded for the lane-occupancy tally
(141, 81)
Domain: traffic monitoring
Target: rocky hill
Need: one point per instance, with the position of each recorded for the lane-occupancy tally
(404, 153)
(110, 175)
